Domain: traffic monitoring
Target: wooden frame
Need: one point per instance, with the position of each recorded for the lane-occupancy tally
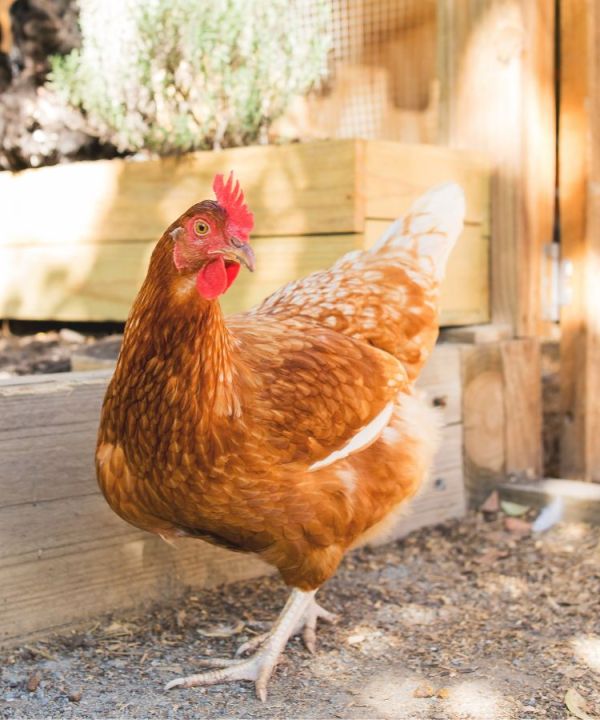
(83, 253)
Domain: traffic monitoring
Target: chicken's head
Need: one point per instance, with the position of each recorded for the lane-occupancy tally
(211, 239)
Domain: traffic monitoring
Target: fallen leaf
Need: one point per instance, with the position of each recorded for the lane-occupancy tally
(424, 691)
(75, 696)
(223, 631)
(443, 693)
(513, 509)
(33, 682)
(517, 526)
(355, 639)
(490, 556)
(577, 705)
(117, 628)
(492, 504)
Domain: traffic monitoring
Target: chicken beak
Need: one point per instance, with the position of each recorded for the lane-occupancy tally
(243, 255)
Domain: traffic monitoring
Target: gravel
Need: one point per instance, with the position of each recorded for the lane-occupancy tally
(52, 351)
(465, 620)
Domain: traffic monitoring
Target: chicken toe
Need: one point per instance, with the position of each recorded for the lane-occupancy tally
(307, 626)
(300, 611)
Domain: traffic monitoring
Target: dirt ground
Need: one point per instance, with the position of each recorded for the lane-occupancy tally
(466, 620)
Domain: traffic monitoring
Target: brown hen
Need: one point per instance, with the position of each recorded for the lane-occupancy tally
(292, 430)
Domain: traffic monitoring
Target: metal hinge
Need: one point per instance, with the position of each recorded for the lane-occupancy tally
(557, 288)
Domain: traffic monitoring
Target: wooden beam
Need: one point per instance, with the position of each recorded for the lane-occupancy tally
(579, 175)
(495, 61)
(5, 26)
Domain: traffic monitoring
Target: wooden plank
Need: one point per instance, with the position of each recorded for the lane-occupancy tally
(522, 368)
(483, 420)
(465, 290)
(5, 26)
(502, 414)
(99, 282)
(477, 334)
(497, 80)
(54, 591)
(581, 500)
(295, 189)
(440, 380)
(579, 163)
(390, 191)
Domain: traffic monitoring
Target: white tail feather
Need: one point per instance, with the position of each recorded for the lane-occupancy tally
(432, 225)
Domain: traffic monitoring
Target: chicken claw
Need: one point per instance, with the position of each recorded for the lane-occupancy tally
(307, 625)
(300, 614)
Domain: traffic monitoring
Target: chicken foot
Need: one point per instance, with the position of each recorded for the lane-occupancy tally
(307, 625)
(300, 614)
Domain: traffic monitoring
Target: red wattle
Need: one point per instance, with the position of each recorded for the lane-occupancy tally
(232, 270)
(215, 278)
(211, 281)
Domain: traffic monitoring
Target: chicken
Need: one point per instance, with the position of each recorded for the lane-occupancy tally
(292, 430)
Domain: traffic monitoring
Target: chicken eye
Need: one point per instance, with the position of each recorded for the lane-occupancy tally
(201, 227)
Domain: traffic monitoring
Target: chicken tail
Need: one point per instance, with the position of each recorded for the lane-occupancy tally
(429, 230)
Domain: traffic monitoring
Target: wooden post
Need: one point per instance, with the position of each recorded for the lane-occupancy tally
(579, 202)
(496, 66)
(5, 31)
(502, 414)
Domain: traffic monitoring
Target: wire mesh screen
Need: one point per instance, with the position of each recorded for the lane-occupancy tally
(382, 74)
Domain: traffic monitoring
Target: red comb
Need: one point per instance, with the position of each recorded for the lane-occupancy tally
(231, 198)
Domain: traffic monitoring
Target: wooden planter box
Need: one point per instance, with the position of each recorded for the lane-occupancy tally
(65, 556)
(75, 239)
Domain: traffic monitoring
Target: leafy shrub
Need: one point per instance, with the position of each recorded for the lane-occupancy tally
(176, 75)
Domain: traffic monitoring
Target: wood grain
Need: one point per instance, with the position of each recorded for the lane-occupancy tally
(522, 368)
(579, 163)
(99, 282)
(64, 556)
(5, 26)
(396, 174)
(497, 80)
(502, 413)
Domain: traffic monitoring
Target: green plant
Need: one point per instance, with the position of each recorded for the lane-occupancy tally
(176, 75)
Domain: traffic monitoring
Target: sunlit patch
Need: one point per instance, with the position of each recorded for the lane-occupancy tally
(408, 614)
(392, 696)
(587, 650)
(507, 585)
(478, 700)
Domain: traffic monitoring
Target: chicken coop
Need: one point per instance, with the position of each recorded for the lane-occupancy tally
(488, 93)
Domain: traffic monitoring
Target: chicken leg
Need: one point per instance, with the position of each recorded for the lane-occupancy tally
(300, 614)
